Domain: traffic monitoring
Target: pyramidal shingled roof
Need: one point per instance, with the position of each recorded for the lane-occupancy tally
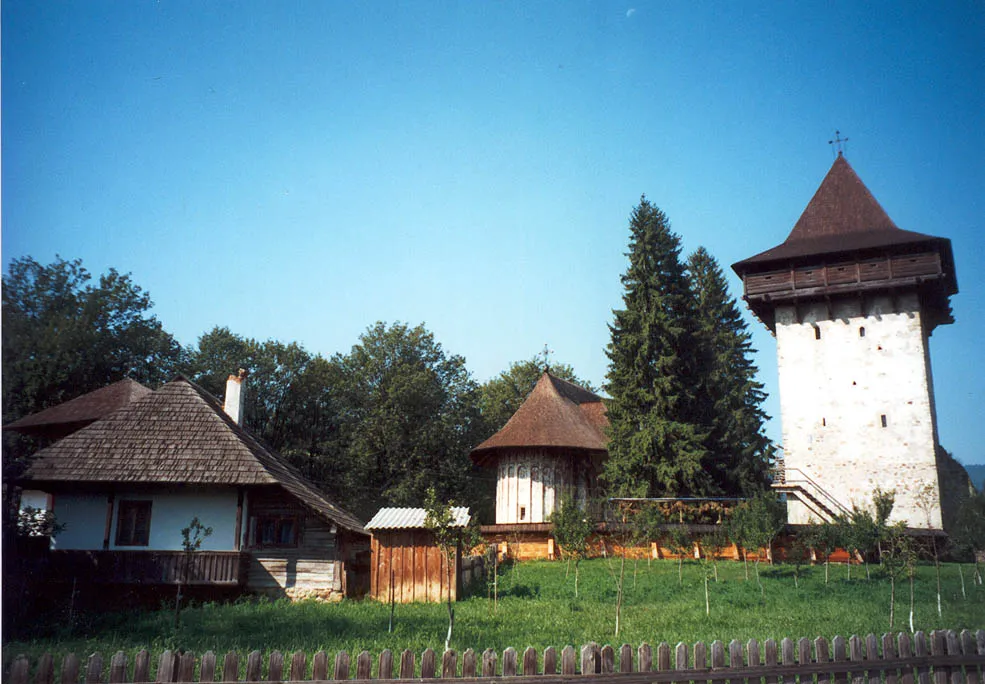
(843, 216)
(556, 414)
(177, 434)
(78, 412)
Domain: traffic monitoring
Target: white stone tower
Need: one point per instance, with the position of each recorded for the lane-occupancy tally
(852, 300)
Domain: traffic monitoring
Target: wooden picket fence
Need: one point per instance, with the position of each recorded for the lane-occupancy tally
(946, 657)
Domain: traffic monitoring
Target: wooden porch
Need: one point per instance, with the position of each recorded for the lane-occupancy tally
(200, 568)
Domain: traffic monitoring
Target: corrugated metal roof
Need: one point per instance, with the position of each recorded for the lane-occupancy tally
(411, 518)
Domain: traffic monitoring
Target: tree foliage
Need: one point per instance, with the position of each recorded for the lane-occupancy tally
(731, 397)
(64, 335)
(657, 445)
(572, 529)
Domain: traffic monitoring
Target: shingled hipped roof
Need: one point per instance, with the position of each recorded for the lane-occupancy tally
(843, 216)
(556, 414)
(76, 413)
(178, 434)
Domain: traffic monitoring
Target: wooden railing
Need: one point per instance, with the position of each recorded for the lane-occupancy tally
(200, 568)
(945, 658)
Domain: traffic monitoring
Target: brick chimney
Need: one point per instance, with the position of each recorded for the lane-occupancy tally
(233, 405)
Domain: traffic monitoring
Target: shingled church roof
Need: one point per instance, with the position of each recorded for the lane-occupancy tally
(555, 415)
(843, 216)
(177, 434)
(74, 414)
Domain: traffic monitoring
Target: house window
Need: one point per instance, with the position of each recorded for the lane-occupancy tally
(133, 523)
(274, 531)
(523, 513)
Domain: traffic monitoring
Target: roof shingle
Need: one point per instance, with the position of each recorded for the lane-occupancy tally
(556, 414)
(76, 413)
(178, 434)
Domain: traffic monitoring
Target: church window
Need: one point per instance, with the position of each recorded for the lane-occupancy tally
(523, 513)
(861, 331)
(521, 471)
(511, 471)
(824, 422)
(817, 332)
(883, 419)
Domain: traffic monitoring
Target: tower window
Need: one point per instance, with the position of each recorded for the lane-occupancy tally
(817, 333)
(861, 331)
(523, 513)
(824, 422)
(883, 419)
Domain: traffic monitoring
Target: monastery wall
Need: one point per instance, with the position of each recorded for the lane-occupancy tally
(856, 399)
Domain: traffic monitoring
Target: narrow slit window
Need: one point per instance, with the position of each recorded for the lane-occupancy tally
(883, 419)
(817, 333)
(824, 422)
(861, 331)
(523, 513)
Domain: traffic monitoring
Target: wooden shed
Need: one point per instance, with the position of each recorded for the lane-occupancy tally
(407, 564)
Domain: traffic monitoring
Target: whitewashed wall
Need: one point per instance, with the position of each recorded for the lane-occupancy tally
(85, 519)
(870, 361)
(530, 485)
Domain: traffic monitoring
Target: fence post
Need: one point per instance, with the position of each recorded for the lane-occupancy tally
(489, 663)
(608, 659)
(717, 657)
(46, 669)
(186, 667)
(118, 668)
(254, 663)
(364, 665)
(680, 660)
(905, 652)
(341, 666)
(509, 662)
(701, 657)
(70, 669)
(771, 657)
(840, 656)
(889, 653)
(529, 662)
(968, 647)
(752, 650)
(165, 667)
(626, 658)
(954, 649)
(428, 665)
(468, 663)
(141, 666)
(319, 666)
(920, 648)
(385, 664)
(872, 659)
(20, 670)
(275, 667)
(787, 653)
(299, 666)
(589, 658)
(407, 664)
(550, 661)
(207, 671)
(449, 664)
(568, 660)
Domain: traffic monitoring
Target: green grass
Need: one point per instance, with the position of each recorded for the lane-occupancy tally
(537, 608)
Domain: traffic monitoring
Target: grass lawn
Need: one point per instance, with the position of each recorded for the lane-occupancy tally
(537, 607)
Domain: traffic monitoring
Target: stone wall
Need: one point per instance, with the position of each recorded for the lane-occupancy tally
(856, 400)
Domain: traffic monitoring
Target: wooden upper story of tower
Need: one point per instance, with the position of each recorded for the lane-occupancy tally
(844, 244)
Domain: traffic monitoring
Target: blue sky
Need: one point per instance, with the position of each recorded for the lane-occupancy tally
(300, 170)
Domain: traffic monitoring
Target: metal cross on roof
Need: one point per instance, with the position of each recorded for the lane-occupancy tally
(838, 142)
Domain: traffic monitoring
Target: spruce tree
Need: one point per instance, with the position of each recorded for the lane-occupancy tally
(657, 441)
(731, 397)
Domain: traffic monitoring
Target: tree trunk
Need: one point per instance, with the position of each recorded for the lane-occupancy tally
(937, 567)
(961, 573)
(577, 561)
(762, 591)
(451, 611)
(680, 570)
(622, 570)
(707, 600)
(892, 600)
(825, 569)
(911, 604)
(745, 562)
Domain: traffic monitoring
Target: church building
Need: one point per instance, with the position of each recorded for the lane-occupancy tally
(553, 445)
(852, 301)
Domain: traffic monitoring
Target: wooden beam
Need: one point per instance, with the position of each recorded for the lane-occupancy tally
(237, 541)
(110, 500)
